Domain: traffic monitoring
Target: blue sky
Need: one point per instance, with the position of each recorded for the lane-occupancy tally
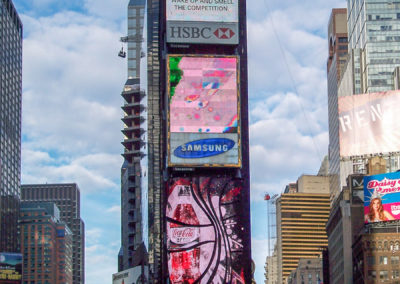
(72, 80)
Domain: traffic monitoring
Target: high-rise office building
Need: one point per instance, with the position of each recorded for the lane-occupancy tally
(372, 64)
(301, 217)
(156, 144)
(68, 200)
(10, 124)
(132, 225)
(337, 42)
(156, 174)
(373, 28)
(46, 244)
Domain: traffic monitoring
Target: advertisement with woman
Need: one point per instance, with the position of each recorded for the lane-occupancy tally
(382, 197)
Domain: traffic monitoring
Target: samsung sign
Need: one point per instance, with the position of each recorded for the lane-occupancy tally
(198, 149)
(202, 32)
(204, 148)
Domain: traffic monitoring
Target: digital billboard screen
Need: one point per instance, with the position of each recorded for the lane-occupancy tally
(203, 114)
(10, 268)
(382, 197)
(202, 10)
(369, 123)
(205, 234)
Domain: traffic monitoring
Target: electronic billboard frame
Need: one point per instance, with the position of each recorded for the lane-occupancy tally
(219, 144)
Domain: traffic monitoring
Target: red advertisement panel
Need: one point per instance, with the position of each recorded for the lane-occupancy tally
(369, 123)
(204, 230)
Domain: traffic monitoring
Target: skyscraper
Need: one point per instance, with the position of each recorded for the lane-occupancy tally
(226, 47)
(372, 64)
(46, 244)
(134, 117)
(373, 28)
(10, 124)
(337, 42)
(68, 200)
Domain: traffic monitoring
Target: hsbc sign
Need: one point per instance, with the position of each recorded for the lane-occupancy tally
(202, 32)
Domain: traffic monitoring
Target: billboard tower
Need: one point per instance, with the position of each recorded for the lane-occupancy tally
(205, 198)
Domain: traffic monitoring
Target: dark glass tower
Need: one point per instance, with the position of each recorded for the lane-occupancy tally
(133, 131)
(157, 134)
(67, 197)
(10, 124)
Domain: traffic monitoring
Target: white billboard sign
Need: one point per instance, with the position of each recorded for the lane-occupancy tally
(203, 10)
(204, 32)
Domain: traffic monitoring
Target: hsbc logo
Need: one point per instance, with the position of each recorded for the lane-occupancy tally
(224, 33)
(185, 32)
(190, 32)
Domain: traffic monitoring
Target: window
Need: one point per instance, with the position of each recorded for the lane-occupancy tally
(395, 274)
(394, 260)
(371, 260)
(383, 275)
(383, 260)
(372, 274)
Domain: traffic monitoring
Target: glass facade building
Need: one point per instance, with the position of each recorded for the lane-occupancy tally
(10, 124)
(134, 131)
(374, 28)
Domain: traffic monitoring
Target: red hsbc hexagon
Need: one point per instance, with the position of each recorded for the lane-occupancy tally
(224, 33)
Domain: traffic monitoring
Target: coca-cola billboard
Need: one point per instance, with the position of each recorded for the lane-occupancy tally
(205, 230)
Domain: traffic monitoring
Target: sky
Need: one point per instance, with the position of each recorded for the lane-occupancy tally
(71, 119)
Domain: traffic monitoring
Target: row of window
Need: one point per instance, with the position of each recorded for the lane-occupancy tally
(384, 260)
(384, 274)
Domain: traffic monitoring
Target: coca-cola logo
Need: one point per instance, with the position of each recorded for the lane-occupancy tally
(184, 235)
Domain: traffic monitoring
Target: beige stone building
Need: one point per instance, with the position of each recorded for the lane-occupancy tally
(301, 220)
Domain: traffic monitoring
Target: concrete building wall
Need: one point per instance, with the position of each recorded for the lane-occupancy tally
(313, 184)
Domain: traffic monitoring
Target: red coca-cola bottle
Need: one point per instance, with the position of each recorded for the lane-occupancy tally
(185, 263)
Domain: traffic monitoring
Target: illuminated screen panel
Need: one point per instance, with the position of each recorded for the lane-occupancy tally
(202, 10)
(203, 94)
(10, 268)
(369, 123)
(382, 197)
(204, 230)
(203, 110)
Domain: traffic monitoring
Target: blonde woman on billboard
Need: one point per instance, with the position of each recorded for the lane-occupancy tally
(376, 212)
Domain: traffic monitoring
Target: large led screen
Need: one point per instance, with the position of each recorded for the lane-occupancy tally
(10, 268)
(369, 123)
(382, 197)
(205, 230)
(203, 118)
(202, 10)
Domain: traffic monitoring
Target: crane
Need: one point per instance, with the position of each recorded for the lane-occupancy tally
(129, 38)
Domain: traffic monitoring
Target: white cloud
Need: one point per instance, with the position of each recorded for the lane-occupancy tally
(100, 263)
(91, 176)
(116, 209)
(106, 9)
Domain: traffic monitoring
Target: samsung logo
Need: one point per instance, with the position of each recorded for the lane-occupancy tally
(204, 148)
